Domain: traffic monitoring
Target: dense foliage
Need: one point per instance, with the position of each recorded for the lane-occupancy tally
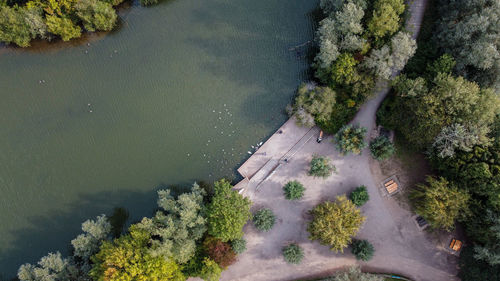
(359, 42)
(349, 139)
(293, 253)
(320, 167)
(264, 219)
(227, 213)
(171, 245)
(335, 223)
(446, 104)
(359, 196)
(294, 190)
(382, 148)
(362, 250)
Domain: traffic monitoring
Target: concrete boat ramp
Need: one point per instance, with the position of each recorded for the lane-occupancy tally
(273, 154)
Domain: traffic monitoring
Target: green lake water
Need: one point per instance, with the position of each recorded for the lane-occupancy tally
(180, 91)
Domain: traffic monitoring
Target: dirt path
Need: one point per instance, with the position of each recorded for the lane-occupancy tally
(400, 246)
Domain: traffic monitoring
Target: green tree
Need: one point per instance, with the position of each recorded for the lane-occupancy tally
(344, 69)
(50, 267)
(264, 219)
(313, 105)
(87, 244)
(359, 196)
(335, 223)
(210, 271)
(385, 19)
(63, 27)
(440, 203)
(294, 190)
(227, 213)
(381, 148)
(96, 15)
(128, 258)
(362, 250)
(380, 62)
(293, 253)
(13, 27)
(349, 139)
(239, 245)
(320, 167)
(178, 225)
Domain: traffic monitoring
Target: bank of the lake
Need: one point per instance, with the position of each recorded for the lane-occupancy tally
(153, 86)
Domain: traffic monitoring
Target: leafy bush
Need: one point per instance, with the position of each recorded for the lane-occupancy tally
(239, 245)
(293, 254)
(349, 139)
(335, 223)
(362, 249)
(293, 190)
(96, 15)
(312, 106)
(359, 196)
(382, 148)
(264, 219)
(320, 167)
(210, 270)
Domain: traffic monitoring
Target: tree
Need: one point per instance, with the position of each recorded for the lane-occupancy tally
(335, 223)
(87, 244)
(293, 253)
(176, 228)
(359, 196)
(380, 62)
(440, 203)
(63, 27)
(362, 250)
(264, 219)
(294, 190)
(227, 213)
(349, 139)
(381, 148)
(320, 167)
(451, 100)
(210, 271)
(239, 245)
(313, 105)
(51, 267)
(344, 69)
(13, 27)
(220, 252)
(456, 137)
(128, 258)
(403, 48)
(96, 15)
(468, 30)
(385, 19)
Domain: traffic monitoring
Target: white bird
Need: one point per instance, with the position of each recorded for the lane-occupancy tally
(249, 152)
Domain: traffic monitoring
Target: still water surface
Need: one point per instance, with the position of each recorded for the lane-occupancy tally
(179, 92)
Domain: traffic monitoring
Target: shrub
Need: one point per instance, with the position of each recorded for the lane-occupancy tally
(359, 196)
(350, 139)
(220, 252)
(264, 219)
(335, 223)
(210, 270)
(239, 245)
(362, 249)
(293, 190)
(293, 254)
(321, 167)
(382, 148)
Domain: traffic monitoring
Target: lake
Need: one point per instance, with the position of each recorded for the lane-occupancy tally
(179, 92)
